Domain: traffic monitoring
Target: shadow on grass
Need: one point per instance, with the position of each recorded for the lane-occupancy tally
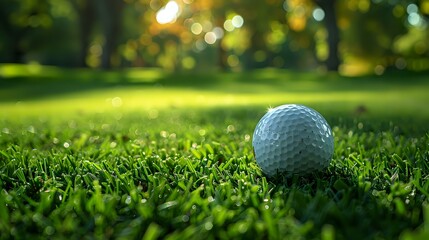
(26, 82)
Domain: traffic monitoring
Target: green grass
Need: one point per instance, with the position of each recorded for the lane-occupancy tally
(170, 156)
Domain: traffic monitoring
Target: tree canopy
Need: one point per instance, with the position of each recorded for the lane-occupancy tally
(350, 36)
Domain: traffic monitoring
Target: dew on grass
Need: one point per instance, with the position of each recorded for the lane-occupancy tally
(66, 145)
(230, 128)
(8, 197)
(202, 132)
(93, 139)
(116, 102)
(246, 137)
(208, 226)
(49, 230)
(31, 129)
(185, 218)
(163, 134)
(128, 200)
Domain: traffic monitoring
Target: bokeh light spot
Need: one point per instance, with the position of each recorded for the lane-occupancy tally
(227, 25)
(116, 102)
(414, 19)
(400, 63)
(188, 63)
(318, 14)
(285, 6)
(233, 61)
(218, 32)
(207, 26)
(379, 69)
(237, 21)
(260, 56)
(196, 28)
(210, 37)
(200, 45)
(412, 8)
(168, 14)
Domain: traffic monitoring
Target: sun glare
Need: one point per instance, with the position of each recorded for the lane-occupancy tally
(169, 13)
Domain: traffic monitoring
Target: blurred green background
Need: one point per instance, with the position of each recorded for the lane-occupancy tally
(354, 37)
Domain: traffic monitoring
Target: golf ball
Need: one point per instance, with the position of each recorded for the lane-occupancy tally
(292, 139)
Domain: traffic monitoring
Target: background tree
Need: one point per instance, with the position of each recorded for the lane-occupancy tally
(110, 16)
(107, 14)
(331, 25)
(23, 26)
(370, 31)
(208, 34)
(86, 21)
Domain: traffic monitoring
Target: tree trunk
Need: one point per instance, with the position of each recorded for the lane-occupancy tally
(223, 56)
(17, 53)
(257, 43)
(85, 10)
(333, 61)
(110, 12)
(13, 36)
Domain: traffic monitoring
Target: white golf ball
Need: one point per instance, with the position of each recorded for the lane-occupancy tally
(292, 139)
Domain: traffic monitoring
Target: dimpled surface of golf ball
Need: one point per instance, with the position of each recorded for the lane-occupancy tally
(292, 139)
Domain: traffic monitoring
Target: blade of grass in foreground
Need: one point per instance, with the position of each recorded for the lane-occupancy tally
(193, 175)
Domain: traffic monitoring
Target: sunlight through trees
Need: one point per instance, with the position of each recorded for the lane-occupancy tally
(352, 37)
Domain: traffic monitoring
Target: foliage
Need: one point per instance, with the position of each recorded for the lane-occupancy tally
(36, 30)
(197, 35)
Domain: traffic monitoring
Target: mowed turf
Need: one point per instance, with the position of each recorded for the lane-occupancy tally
(146, 154)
